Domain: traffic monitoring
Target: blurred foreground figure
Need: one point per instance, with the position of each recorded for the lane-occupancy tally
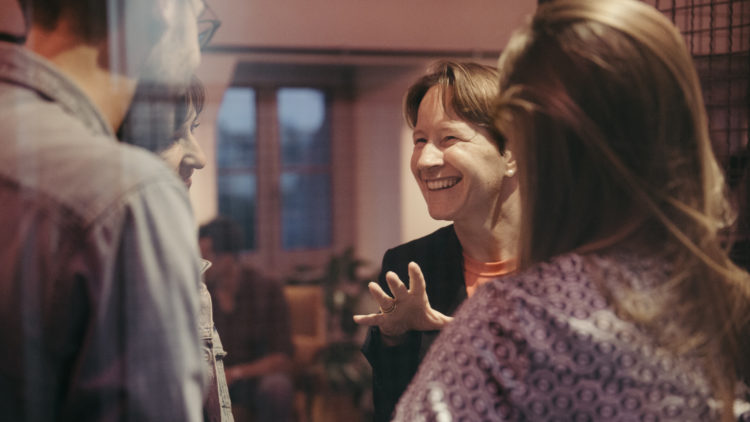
(251, 313)
(99, 265)
(626, 306)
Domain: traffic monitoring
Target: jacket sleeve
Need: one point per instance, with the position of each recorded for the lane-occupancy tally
(141, 360)
(392, 367)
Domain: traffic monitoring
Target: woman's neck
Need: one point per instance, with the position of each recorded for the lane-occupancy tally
(494, 238)
(487, 244)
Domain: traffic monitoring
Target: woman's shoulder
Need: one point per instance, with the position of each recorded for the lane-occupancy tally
(549, 330)
(550, 279)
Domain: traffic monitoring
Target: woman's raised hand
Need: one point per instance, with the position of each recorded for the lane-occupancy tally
(408, 309)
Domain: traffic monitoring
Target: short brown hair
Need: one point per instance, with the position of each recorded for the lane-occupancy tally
(158, 114)
(225, 234)
(88, 16)
(473, 87)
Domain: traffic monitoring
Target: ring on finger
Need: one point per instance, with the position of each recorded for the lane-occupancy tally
(389, 309)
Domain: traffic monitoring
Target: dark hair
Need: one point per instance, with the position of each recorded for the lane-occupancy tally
(90, 20)
(473, 88)
(89, 17)
(158, 115)
(194, 98)
(225, 235)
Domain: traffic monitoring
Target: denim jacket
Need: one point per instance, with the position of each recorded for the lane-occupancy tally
(217, 406)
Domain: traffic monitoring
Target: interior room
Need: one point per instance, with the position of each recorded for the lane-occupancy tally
(362, 57)
(307, 148)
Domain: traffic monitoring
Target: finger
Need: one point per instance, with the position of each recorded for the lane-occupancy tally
(416, 280)
(397, 286)
(369, 319)
(379, 295)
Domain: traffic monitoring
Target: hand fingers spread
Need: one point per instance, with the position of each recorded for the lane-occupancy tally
(381, 297)
(416, 279)
(397, 286)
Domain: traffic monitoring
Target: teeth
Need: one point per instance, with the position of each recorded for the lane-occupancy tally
(439, 184)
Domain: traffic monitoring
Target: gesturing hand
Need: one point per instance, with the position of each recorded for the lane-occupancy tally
(407, 309)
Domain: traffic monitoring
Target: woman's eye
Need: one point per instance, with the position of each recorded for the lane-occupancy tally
(194, 126)
(419, 141)
(450, 140)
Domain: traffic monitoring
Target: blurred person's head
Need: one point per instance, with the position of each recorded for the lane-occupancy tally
(164, 124)
(606, 106)
(153, 40)
(601, 102)
(459, 160)
(220, 242)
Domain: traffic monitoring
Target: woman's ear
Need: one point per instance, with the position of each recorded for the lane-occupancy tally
(510, 163)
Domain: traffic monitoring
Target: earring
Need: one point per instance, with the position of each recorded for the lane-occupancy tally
(510, 172)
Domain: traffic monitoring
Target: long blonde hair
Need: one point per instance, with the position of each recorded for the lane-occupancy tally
(602, 104)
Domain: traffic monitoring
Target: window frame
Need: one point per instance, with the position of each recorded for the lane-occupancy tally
(337, 84)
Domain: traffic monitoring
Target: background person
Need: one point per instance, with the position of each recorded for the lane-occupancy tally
(99, 265)
(251, 313)
(626, 306)
(466, 175)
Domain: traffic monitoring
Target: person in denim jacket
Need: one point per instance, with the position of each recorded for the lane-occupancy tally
(99, 264)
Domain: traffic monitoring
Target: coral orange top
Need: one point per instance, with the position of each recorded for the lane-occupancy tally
(477, 273)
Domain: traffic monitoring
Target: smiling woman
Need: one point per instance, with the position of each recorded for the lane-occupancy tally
(458, 166)
(466, 175)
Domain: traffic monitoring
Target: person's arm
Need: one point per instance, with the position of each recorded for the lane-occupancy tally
(141, 359)
(394, 361)
(276, 362)
(278, 337)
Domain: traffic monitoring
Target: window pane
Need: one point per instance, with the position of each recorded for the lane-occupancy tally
(306, 210)
(237, 200)
(305, 128)
(236, 155)
(305, 138)
(237, 128)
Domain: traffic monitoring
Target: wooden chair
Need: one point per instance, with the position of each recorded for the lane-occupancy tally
(308, 326)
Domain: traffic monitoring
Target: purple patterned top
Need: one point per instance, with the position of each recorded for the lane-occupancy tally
(547, 345)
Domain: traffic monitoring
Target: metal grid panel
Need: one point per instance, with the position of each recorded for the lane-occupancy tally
(718, 35)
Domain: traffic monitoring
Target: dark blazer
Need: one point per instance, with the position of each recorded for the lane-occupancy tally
(439, 255)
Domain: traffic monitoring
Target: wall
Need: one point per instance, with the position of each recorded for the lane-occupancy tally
(476, 25)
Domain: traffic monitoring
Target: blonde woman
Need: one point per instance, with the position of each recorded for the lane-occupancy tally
(626, 306)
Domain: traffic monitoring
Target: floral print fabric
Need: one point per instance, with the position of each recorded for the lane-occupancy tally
(546, 345)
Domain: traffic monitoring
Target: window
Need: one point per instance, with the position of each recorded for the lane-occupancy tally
(237, 160)
(283, 165)
(305, 134)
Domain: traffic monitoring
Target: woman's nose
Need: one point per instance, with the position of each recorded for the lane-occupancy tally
(430, 156)
(195, 153)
